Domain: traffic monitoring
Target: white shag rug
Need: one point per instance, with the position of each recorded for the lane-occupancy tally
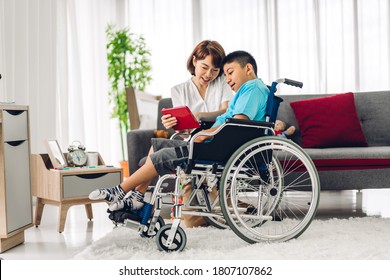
(335, 239)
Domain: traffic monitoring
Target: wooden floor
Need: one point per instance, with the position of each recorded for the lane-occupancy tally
(45, 242)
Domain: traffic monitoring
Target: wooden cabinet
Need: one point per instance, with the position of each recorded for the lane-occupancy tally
(65, 188)
(15, 187)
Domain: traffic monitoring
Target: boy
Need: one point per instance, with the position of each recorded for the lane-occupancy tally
(165, 155)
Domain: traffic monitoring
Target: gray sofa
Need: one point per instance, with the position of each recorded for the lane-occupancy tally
(138, 140)
(365, 167)
(354, 167)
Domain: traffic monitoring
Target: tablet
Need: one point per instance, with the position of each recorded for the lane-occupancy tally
(184, 116)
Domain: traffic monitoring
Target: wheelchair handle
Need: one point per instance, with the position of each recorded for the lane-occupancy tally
(290, 82)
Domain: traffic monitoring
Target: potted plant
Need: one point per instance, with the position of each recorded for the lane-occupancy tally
(128, 67)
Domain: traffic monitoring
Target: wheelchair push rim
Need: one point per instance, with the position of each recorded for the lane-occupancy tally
(269, 190)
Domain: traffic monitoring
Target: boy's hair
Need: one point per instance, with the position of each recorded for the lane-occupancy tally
(203, 49)
(242, 58)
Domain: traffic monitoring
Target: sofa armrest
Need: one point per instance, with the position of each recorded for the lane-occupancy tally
(138, 145)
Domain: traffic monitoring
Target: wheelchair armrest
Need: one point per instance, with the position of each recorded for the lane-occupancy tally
(252, 129)
(180, 135)
(206, 124)
(229, 121)
(203, 125)
(250, 122)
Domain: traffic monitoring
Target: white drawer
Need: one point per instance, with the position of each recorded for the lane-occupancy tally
(17, 178)
(82, 184)
(14, 125)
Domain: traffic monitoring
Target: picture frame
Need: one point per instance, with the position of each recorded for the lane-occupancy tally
(55, 154)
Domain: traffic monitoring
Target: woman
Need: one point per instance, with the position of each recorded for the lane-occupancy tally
(206, 93)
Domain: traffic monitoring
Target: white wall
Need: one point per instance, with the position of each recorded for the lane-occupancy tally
(29, 77)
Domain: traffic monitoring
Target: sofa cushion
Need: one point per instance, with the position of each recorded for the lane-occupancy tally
(373, 110)
(362, 158)
(329, 121)
(163, 103)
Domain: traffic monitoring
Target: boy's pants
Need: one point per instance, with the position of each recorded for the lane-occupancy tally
(169, 154)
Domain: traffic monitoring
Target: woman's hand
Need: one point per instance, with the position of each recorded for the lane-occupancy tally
(168, 121)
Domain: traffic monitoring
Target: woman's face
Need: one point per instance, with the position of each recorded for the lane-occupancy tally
(205, 71)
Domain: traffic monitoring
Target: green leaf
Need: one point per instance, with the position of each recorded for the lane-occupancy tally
(128, 66)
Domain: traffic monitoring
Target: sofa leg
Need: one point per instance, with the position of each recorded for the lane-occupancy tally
(359, 201)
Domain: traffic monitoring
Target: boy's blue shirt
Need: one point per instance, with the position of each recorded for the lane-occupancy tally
(250, 100)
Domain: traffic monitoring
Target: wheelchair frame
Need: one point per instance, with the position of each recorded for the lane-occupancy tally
(268, 188)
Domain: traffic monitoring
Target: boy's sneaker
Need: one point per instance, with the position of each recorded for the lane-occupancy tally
(133, 200)
(110, 194)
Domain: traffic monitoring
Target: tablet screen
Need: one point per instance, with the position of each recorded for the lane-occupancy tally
(184, 116)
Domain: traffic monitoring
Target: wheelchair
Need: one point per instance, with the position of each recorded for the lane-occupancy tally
(268, 187)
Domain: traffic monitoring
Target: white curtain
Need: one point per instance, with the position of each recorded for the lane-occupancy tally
(169, 32)
(83, 86)
(3, 97)
(27, 53)
(53, 56)
(331, 46)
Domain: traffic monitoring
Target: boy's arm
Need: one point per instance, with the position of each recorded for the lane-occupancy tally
(203, 138)
(211, 116)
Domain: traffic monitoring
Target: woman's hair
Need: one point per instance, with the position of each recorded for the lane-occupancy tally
(203, 49)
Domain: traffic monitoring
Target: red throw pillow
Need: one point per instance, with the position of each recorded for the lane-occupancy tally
(330, 121)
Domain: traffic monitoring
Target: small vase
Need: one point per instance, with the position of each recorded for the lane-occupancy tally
(125, 167)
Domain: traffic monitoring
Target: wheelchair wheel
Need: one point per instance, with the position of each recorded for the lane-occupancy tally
(159, 224)
(269, 190)
(179, 241)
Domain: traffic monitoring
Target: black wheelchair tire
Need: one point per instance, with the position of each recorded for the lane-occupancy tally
(180, 239)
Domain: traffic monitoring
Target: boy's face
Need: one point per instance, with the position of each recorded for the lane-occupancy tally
(236, 75)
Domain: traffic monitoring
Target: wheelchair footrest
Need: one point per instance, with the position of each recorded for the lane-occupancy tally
(120, 216)
(141, 215)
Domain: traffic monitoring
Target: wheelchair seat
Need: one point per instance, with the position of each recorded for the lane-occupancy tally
(234, 134)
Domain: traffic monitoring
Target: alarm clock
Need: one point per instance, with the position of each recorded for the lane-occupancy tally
(76, 154)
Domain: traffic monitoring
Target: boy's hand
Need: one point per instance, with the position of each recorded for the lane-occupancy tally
(202, 138)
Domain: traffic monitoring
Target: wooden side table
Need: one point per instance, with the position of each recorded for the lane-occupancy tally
(67, 187)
